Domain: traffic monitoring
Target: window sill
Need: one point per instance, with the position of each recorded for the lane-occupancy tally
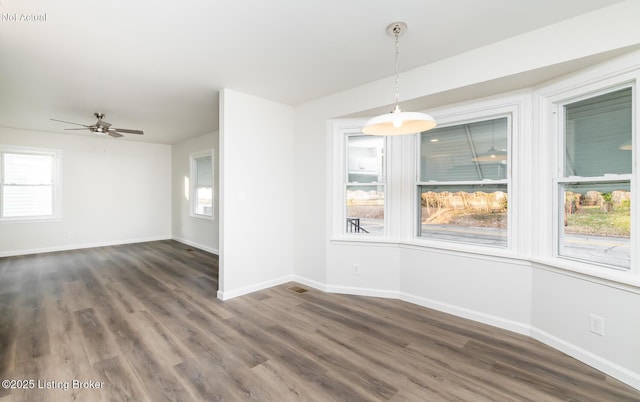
(30, 220)
(491, 253)
(362, 240)
(621, 279)
(203, 217)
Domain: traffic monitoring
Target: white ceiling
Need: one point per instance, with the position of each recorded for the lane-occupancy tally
(158, 66)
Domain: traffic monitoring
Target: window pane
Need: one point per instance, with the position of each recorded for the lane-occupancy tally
(203, 186)
(473, 151)
(365, 159)
(598, 135)
(597, 223)
(27, 169)
(472, 214)
(22, 201)
(204, 177)
(204, 201)
(365, 209)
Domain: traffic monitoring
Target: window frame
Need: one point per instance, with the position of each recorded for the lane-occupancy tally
(347, 184)
(342, 130)
(56, 184)
(560, 178)
(466, 114)
(193, 158)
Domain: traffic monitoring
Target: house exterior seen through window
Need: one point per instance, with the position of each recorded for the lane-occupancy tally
(595, 187)
(463, 183)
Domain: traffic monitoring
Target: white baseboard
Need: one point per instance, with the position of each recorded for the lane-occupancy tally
(80, 246)
(608, 367)
(310, 283)
(474, 315)
(347, 290)
(228, 295)
(197, 245)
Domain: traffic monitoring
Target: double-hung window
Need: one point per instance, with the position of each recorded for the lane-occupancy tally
(29, 181)
(463, 182)
(364, 186)
(594, 182)
(202, 185)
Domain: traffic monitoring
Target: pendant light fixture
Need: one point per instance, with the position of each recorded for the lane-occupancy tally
(398, 122)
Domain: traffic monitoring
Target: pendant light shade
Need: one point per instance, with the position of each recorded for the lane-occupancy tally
(398, 122)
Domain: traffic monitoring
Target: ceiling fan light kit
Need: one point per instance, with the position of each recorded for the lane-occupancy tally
(102, 127)
(398, 122)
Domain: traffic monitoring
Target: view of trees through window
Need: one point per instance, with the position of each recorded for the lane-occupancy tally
(597, 223)
(463, 183)
(595, 191)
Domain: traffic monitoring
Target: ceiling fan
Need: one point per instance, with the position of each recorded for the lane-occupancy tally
(102, 127)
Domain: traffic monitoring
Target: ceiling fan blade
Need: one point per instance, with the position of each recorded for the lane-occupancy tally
(70, 122)
(102, 123)
(115, 134)
(86, 128)
(127, 131)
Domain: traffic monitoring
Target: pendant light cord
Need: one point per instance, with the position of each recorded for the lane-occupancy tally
(396, 35)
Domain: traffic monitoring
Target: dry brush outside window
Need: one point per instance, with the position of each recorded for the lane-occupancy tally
(595, 189)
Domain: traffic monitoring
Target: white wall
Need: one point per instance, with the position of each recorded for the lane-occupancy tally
(256, 180)
(113, 191)
(492, 290)
(560, 317)
(507, 292)
(200, 233)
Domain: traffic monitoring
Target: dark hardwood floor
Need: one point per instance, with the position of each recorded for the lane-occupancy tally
(141, 322)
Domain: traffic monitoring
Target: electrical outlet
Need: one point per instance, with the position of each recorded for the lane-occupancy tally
(596, 324)
(356, 269)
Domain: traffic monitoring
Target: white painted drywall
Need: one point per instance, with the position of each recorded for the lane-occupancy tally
(197, 232)
(113, 191)
(256, 201)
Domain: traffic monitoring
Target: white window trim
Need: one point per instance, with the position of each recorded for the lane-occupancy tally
(560, 177)
(507, 181)
(57, 184)
(549, 100)
(192, 185)
(512, 105)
